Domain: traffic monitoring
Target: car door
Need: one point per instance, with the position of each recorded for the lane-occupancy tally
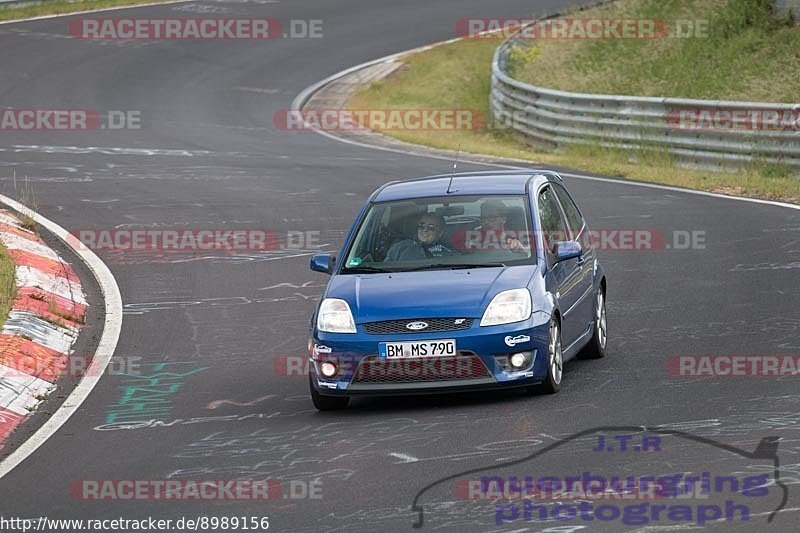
(584, 312)
(565, 276)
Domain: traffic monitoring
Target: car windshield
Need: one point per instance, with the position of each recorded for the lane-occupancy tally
(442, 233)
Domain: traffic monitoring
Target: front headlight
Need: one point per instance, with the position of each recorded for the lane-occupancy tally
(335, 317)
(507, 307)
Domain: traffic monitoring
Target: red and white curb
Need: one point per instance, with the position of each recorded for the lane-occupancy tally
(43, 324)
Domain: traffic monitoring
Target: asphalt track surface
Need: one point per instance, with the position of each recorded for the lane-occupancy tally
(211, 158)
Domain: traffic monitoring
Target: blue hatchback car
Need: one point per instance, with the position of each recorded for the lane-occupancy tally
(458, 282)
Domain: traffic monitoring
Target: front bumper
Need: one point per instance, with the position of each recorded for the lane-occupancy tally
(481, 363)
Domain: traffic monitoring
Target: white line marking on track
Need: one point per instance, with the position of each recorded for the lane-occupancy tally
(103, 353)
(405, 457)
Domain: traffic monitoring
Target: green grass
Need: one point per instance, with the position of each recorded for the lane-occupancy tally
(457, 76)
(25, 195)
(746, 54)
(8, 285)
(56, 7)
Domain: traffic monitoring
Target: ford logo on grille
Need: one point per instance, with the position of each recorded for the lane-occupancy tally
(416, 326)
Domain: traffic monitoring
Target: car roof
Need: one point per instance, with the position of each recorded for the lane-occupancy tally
(465, 183)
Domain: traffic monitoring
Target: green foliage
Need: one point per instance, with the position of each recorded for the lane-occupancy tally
(739, 51)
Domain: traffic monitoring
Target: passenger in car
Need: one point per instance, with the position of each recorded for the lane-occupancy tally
(492, 233)
(428, 242)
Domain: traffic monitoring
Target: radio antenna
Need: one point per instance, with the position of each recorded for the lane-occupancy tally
(455, 164)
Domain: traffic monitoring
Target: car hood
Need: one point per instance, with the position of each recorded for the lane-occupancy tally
(427, 294)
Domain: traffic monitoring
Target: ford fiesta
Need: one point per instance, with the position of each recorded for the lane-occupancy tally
(458, 282)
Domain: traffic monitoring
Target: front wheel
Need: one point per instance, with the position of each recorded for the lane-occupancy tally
(555, 362)
(327, 403)
(597, 346)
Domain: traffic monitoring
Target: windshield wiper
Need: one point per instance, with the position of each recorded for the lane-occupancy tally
(453, 266)
(366, 270)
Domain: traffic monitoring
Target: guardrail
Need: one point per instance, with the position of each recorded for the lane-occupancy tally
(675, 125)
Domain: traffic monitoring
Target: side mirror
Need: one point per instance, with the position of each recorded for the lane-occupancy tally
(567, 250)
(323, 263)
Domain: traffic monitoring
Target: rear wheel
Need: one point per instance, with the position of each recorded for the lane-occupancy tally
(555, 362)
(327, 403)
(597, 346)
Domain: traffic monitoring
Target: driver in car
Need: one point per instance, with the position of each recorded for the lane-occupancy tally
(428, 242)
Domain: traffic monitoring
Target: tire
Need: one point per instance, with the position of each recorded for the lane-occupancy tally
(555, 362)
(596, 348)
(327, 403)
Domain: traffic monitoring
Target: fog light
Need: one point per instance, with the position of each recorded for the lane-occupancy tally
(518, 360)
(328, 369)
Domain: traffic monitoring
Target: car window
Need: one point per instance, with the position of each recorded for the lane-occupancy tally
(554, 228)
(574, 218)
(442, 232)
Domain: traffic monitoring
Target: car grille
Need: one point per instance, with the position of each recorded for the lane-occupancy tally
(466, 365)
(434, 324)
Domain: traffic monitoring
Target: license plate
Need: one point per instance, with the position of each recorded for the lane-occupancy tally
(398, 350)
